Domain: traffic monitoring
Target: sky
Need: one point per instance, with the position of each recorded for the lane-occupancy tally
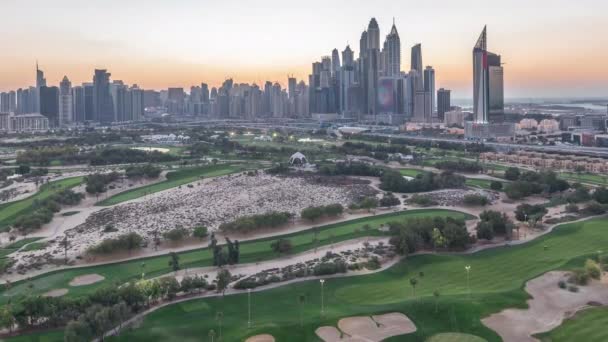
(551, 48)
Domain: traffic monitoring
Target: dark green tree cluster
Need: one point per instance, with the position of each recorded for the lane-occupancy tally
(248, 224)
(494, 223)
(600, 195)
(124, 242)
(44, 155)
(443, 145)
(148, 171)
(367, 203)
(389, 200)
(351, 169)
(222, 257)
(315, 213)
(393, 181)
(415, 234)
(97, 183)
(377, 151)
(281, 246)
(459, 166)
(475, 200)
(531, 183)
(110, 156)
(176, 234)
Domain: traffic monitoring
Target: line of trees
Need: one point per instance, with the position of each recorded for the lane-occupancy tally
(351, 169)
(148, 170)
(97, 183)
(247, 224)
(460, 166)
(427, 181)
(533, 183)
(315, 213)
(124, 242)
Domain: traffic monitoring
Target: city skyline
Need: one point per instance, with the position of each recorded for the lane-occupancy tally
(159, 51)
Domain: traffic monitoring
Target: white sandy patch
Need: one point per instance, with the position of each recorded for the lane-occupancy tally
(56, 293)
(368, 328)
(548, 308)
(86, 279)
(260, 338)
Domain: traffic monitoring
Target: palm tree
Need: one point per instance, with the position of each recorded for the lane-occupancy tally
(414, 282)
(301, 300)
(219, 317)
(436, 295)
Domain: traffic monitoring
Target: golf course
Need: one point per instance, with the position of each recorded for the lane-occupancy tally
(443, 301)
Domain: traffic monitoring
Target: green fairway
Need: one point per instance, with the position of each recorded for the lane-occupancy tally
(588, 178)
(174, 179)
(589, 326)
(496, 280)
(454, 337)
(10, 211)
(251, 251)
(479, 183)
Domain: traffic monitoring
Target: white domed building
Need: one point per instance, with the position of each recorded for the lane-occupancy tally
(298, 159)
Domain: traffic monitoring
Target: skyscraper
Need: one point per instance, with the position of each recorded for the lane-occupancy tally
(392, 53)
(103, 106)
(347, 80)
(443, 103)
(66, 109)
(488, 92)
(429, 87)
(373, 53)
(40, 82)
(335, 62)
(49, 104)
(416, 61)
(78, 104)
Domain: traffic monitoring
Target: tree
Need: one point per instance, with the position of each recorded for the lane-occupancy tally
(436, 295)
(77, 331)
(413, 283)
(485, 230)
(301, 300)
(531, 213)
(174, 261)
(200, 232)
(219, 317)
(438, 239)
(512, 174)
(389, 200)
(7, 319)
(23, 169)
(311, 213)
(281, 246)
(600, 195)
(496, 185)
(223, 279)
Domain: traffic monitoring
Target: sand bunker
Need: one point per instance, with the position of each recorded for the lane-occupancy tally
(86, 279)
(366, 328)
(56, 293)
(260, 338)
(548, 308)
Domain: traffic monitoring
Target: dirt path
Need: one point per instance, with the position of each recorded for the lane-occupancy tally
(549, 306)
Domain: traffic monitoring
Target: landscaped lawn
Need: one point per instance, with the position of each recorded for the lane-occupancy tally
(585, 178)
(10, 211)
(174, 179)
(251, 251)
(496, 280)
(589, 326)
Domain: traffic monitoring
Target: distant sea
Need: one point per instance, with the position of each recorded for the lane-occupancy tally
(595, 104)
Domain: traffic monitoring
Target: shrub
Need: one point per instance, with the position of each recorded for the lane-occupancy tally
(595, 208)
(422, 200)
(200, 232)
(573, 288)
(512, 174)
(593, 269)
(572, 208)
(123, 242)
(176, 234)
(579, 276)
(562, 284)
(475, 200)
(389, 200)
(281, 246)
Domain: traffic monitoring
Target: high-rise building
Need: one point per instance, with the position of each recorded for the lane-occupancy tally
(347, 80)
(78, 103)
(335, 62)
(372, 56)
(483, 89)
(66, 109)
(103, 106)
(392, 53)
(40, 82)
(429, 87)
(416, 61)
(89, 102)
(444, 104)
(49, 104)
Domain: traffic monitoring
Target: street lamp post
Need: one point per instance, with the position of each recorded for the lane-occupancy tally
(468, 270)
(322, 281)
(249, 308)
(599, 261)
